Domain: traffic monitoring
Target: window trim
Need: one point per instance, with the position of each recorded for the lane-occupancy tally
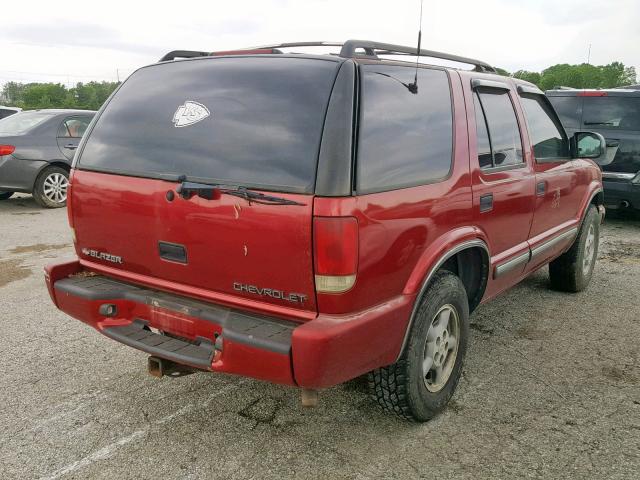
(497, 168)
(556, 121)
(357, 190)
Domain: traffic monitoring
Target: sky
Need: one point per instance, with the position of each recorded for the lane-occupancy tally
(108, 40)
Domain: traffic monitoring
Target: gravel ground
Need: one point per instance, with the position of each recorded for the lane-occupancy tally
(550, 389)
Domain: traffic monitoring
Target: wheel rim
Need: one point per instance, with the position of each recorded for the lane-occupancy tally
(441, 348)
(589, 249)
(55, 187)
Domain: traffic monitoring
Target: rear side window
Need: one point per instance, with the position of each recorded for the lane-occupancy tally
(5, 112)
(619, 113)
(501, 126)
(547, 136)
(74, 127)
(249, 121)
(569, 110)
(406, 136)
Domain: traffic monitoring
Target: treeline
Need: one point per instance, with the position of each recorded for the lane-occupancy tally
(579, 76)
(86, 96)
(92, 95)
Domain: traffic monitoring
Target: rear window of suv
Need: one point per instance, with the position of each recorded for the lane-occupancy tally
(251, 121)
(620, 113)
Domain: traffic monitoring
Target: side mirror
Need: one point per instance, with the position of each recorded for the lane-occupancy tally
(591, 145)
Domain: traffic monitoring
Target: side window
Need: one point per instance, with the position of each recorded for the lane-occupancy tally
(547, 135)
(485, 158)
(73, 127)
(496, 119)
(405, 135)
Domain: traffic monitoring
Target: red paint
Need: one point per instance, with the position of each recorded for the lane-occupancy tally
(592, 94)
(255, 51)
(227, 240)
(392, 240)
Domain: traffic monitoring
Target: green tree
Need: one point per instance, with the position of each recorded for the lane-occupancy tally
(88, 96)
(581, 76)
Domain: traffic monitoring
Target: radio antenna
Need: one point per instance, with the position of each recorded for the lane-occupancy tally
(413, 87)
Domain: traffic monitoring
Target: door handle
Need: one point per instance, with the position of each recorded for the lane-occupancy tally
(71, 146)
(541, 188)
(486, 203)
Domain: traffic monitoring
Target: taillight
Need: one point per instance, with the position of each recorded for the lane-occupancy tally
(335, 253)
(7, 150)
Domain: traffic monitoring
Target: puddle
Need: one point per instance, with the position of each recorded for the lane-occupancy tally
(12, 271)
(38, 247)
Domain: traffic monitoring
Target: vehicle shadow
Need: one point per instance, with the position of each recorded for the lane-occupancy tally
(20, 204)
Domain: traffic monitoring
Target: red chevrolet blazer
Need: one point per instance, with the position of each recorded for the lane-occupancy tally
(307, 219)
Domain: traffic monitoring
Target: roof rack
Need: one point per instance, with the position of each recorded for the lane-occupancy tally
(373, 49)
(349, 49)
(183, 54)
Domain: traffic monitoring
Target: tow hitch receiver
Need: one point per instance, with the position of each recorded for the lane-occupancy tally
(159, 367)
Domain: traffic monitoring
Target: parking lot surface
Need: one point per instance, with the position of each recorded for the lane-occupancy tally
(550, 389)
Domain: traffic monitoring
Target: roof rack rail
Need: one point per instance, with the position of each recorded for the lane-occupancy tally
(183, 54)
(348, 49)
(350, 46)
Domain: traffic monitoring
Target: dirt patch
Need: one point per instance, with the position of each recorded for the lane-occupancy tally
(530, 332)
(12, 271)
(618, 375)
(38, 247)
(622, 252)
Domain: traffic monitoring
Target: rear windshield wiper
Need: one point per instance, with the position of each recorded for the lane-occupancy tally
(203, 190)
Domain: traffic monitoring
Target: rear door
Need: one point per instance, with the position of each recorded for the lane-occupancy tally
(70, 132)
(251, 122)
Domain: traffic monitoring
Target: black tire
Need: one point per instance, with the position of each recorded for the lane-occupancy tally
(568, 272)
(41, 192)
(5, 195)
(401, 388)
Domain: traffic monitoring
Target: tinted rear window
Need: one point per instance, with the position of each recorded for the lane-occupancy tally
(5, 112)
(568, 109)
(620, 113)
(263, 129)
(22, 122)
(405, 138)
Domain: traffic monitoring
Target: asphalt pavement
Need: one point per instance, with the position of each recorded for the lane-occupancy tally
(550, 389)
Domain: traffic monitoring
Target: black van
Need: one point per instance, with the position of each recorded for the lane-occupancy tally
(614, 113)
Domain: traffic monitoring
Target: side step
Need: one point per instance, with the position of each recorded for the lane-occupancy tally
(138, 335)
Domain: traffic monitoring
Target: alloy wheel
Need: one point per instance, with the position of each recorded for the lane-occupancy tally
(441, 348)
(55, 187)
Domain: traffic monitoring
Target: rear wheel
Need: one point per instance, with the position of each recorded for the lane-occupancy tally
(50, 190)
(5, 195)
(572, 271)
(421, 382)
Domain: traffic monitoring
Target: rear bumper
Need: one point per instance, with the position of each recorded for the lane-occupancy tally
(322, 352)
(617, 192)
(17, 175)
